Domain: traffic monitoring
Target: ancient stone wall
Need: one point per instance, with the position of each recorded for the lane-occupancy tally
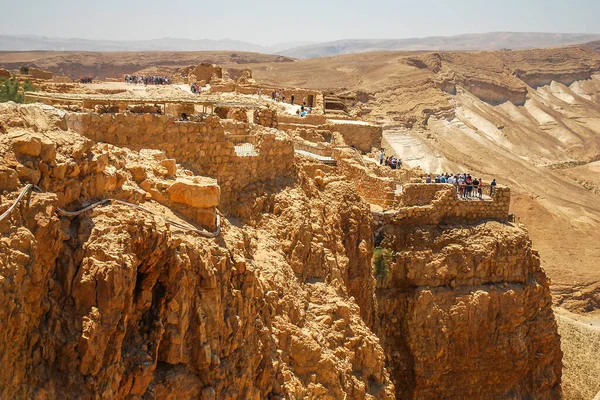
(176, 109)
(373, 188)
(4, 73)
(266, 117)
(201, 147)
(433, 204)
(62, 79)
(205, 72)
(361, 135)
(321, 149)
(39, 74)
(309, 119)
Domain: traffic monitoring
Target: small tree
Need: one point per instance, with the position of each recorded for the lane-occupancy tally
(381, 260)
(10, 90)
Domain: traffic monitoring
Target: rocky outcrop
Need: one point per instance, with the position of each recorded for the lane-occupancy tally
(117, 303)
(465, 312)
(121, 303)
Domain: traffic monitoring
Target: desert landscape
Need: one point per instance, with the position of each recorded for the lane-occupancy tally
(160, 243)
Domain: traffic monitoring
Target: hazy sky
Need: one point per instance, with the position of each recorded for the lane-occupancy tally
(269, 22)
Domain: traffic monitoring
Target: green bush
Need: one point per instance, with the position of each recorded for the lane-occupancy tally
(381, 260)
(10, 90)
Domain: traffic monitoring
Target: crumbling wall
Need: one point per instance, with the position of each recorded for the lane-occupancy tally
(62, 79)
(4, 73)
(176, 109)
(266, 117)
(361, 135)
(36, 73)
(201, 147)
(375, 189)
(205, 72)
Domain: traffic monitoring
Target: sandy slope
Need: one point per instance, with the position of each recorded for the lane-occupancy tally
(525, 118)
(581, 345)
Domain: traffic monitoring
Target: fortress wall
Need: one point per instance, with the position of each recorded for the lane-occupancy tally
(39, 74)
(445, 207)
(204, 72)
(203, 148)
(363, 137)
(375, 189)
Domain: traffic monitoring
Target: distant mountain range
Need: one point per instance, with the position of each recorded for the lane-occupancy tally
(42, 43)
(477, 41)
(303, 50)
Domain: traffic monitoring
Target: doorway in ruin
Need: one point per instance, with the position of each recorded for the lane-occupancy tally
(310, 100)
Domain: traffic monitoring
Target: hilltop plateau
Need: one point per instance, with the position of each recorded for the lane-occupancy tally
(229, 242)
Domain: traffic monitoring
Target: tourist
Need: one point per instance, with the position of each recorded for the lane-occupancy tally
(492, 187)
(476, 188)
(480, 190)
(461, 186)
(469, 183)
(394, 162)
(463, 189)
(184, 117)
(428, 179)
(443, 179)
(381, 154)
(293, 97)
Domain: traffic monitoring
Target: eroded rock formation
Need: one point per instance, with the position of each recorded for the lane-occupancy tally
(121, 303)
(462, 310)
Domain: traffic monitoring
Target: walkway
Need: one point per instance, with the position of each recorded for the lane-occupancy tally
(323, 159)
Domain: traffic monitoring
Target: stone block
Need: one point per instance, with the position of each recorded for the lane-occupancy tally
(197, 192)
(27, 145)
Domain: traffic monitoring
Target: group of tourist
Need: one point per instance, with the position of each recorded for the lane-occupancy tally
(279, 96)
(303, 110)
(392, 161)
(466, 186)
(195, 88)
(147, 80)
(85, 79)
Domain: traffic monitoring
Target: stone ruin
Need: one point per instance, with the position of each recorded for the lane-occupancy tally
(204, 72)
(281, 296)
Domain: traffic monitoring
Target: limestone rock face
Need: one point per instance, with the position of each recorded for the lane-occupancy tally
(116, 303)
(120, 303)
(466, 312)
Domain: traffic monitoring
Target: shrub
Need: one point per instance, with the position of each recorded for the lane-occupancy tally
(381, 260)
(10, 90)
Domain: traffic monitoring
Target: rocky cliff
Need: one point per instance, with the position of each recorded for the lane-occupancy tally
(465, 312)
(118, 303)
(124, 302)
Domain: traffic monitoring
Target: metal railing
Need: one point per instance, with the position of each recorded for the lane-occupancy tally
(245, 150)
